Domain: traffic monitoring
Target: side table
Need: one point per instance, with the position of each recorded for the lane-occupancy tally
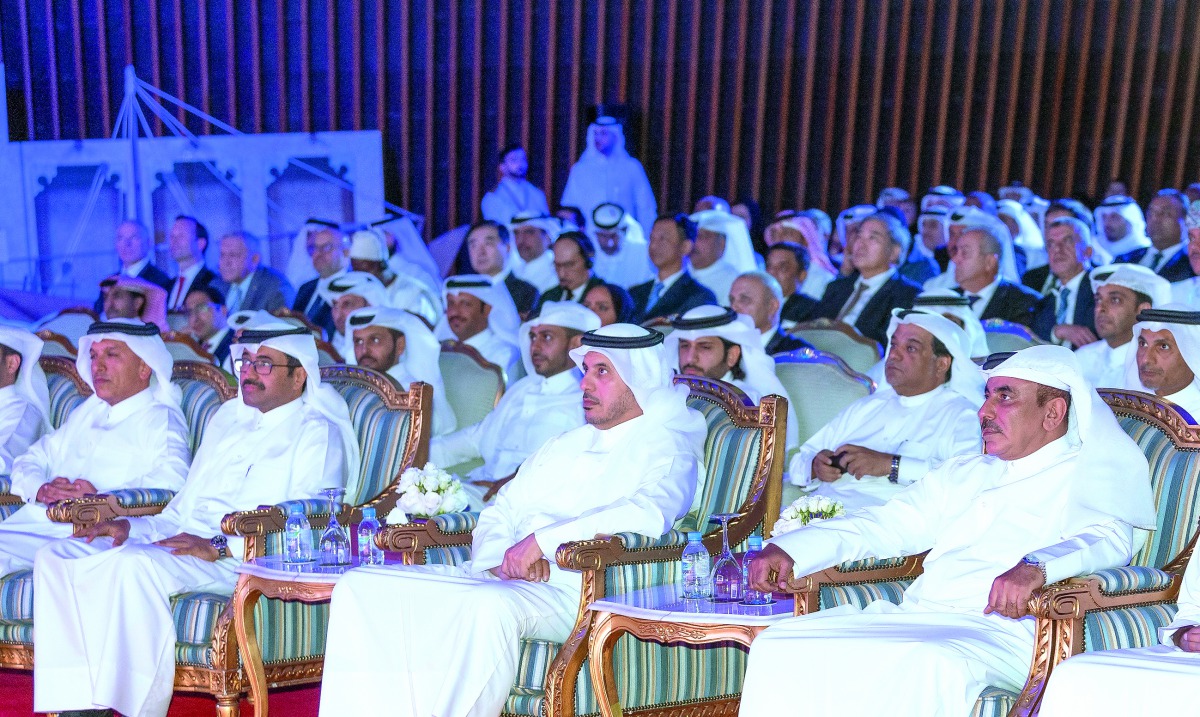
(660, 614)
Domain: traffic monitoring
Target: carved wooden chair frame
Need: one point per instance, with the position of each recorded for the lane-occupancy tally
(452, 346)
(593, 557)
(51, 337)
(180, 337)
(1059, 608)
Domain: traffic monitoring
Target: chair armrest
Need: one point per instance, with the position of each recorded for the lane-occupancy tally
(127, 503)
(807, 589)
(5, 485)
(1104, 590)
(412, 539)
(6, 494)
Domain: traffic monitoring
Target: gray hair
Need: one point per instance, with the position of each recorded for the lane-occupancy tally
(1082, 231)
(768, 281)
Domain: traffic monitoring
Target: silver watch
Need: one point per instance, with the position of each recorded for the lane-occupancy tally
(221, 544)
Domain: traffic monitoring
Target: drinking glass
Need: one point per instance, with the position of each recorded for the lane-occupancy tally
(335, 544)
(726, 574)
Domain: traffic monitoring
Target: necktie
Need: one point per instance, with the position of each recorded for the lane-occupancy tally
(858, 292)
(1060, 314)
(178, 301)
(971, 299)
(233, 300)
(655, 294)
(1155, 257)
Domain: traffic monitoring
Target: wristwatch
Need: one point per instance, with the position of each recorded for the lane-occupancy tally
(894, 474)
(1030, 560)
(221, 545)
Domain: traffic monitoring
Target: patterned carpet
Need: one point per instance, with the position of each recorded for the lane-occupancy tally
(16, 700)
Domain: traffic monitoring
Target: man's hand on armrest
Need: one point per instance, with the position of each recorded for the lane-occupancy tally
(118, 530)
(1011, 590)
(769, 572)
(64, 489)
(1188, 638)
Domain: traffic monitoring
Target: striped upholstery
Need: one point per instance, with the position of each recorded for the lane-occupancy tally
(994, 702)
(636, 541)
(196, 614)
(17, 633)
(1125, 627)
(382, 434)
(870, 564)
(63, 398)
(16, 596)
(7, 509)
(1175, 479)
(199, 403)
(730, 455)
(863, 594)
(5, 484)
(455, 522)
(141, 497)
(1130, 579)
(451, 555)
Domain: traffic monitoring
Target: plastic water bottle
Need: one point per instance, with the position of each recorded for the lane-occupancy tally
(697, 568)
(297, 537)
(750, 596)
(368, 552)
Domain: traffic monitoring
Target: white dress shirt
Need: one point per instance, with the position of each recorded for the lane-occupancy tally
(180, 291)
(985, 297)
(873, 285)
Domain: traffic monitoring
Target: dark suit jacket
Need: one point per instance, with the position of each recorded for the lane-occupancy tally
(268, 290)
(782, 342)
(1012, 302)
(222, 351)
(1177, 267)
(920, 269)
(556, 293)
(798, 307)
(524, 294)
(150, 273)
(1044, 313)
(321, 313)
(204, 278)
(685, 294)
(873, 321)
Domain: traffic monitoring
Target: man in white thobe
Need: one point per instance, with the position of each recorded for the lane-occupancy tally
(1159, 680)
(105, 636)
(24, 396)
(1121, 226)
(622, 252)
(721, 344)
(1061, 491)
(533, 261)
(921, 417)
(1168, 355)
(452, 632)
(396, 342)
(544, 404)
(953, 306)
(606, 173)
(346, 294)
(513, 194)
(369, 253)
(481, 315)
(130, 433)
(722, 250)
(1122, 291)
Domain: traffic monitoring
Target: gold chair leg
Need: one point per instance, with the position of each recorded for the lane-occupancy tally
(228, 705)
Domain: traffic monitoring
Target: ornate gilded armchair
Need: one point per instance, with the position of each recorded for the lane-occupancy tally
(744, 463)
(1112, 609)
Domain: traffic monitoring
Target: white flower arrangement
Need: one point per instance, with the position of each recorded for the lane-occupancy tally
(807, 509)
(426, 492)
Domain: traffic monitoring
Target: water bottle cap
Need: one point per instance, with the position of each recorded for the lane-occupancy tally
(694, 537)
(368, 512)
(296, 510)
(755, 542)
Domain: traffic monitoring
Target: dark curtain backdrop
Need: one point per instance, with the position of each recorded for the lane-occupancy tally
(792, 103)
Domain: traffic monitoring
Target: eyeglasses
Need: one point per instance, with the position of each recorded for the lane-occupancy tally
(262, 367)
(994, 360)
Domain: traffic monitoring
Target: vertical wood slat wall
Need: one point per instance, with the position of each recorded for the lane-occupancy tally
(793, 103)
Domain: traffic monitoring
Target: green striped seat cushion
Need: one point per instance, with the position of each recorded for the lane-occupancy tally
(302, 636)
(63, 398)
(863, 594)
(455, 522)
(142, 497)
(646, 674)
(1175, 479)
(730, 456)
(16, 596)
(1125, 627)
(17, 633)
(7, 509)
(1132, 578)
(636, 541)
(382, 435)
(870, 564)
(994, 702)
(199, 403)
(448, 555)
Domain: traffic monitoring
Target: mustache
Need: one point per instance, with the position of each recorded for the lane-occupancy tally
(694, 367)
(988, 424)
(252, 382)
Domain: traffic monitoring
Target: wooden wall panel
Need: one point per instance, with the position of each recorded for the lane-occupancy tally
(791, 102)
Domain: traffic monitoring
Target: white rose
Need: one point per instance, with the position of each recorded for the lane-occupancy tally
(432, 501)
(410, 502)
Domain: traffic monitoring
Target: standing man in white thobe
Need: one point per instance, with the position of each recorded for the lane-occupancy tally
(544, 404)
(721, 344)
(513, 194)
(396, 342)
(922, 416)
(105, 637)
(130, 433)
(1159, 680)
(1062, 491)
(606, 173)
(481, 315)
(24, 396)
(1168, 355)
(1122, 291)
(452, 631)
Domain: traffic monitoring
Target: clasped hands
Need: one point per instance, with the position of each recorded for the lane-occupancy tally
(182, 544)
(64, 489)
(829, 465)
(524, 561)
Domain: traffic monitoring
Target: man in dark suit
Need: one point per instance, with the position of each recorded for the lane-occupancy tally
(866, 302)
(976, 253)
(188, 241)
(788, 263)
(246, 285)
(329, 249)
(207, 322)
(488, 246)
(1066, 312)
(132, 243)
(673, 291)
(574, 256)
(757, 295)
(1167, 255)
